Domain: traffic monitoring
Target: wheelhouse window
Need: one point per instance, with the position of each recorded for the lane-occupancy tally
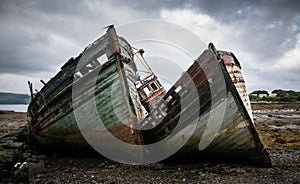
(154, 86)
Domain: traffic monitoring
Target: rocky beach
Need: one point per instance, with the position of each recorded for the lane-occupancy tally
(278, 126)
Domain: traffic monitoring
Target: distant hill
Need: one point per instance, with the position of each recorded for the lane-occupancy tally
(14, 98)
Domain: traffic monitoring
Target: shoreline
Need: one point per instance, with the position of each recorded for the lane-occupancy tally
(275, 105)
(283, 145)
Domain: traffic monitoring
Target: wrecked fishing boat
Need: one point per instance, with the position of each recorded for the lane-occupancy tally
(206, 112)
(209, 110)
(84, 82)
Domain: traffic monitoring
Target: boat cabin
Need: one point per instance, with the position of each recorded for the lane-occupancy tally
(149, 88)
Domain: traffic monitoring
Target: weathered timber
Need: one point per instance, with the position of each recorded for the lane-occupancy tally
(82, 86)
(218, 122)
(207, 111)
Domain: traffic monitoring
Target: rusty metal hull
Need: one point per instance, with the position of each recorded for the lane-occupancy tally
(217, 124)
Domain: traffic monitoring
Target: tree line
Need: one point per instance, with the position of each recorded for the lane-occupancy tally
(277, 95)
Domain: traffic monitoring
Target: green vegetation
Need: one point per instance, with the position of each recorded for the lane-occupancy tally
(258, 92)
(2, 152)
(277, 95)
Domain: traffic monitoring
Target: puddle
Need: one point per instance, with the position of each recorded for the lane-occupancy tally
(291, 116)
(264, 111)
(288, 126)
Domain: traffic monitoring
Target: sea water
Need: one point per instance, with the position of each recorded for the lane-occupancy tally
(14, 107)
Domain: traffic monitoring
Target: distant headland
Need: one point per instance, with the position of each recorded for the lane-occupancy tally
(14, 98)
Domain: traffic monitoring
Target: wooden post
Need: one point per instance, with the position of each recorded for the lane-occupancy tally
(30, 88)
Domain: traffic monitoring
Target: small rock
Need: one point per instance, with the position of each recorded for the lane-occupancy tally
(36, 168)
(41, 157)
(156, 166)
(26, 155)
(31, 159)
(111, 167)
(13, 145)
(39, 176)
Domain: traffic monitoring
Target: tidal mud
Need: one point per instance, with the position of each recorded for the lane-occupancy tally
(278, 128)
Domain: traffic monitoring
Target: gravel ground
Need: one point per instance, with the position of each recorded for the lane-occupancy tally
(282, 142)
(285, 169)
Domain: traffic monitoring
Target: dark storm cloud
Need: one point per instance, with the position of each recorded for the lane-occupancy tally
(252, 19)
(54, 7)
(267, 30)
(223, 10)
(227, 9)
(39, 36)
(27, 26)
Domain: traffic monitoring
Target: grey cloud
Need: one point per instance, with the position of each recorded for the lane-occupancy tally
(27, 29)
(41, 35)
(27, 44)
(250, 17)
(54, 7)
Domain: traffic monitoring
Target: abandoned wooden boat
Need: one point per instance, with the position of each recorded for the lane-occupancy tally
(207, 113)
(84, 83)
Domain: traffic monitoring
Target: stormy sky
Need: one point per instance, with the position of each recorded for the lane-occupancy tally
(38, 37)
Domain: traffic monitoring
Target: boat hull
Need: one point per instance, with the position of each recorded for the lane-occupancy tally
(103, 101)
(214, 123)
